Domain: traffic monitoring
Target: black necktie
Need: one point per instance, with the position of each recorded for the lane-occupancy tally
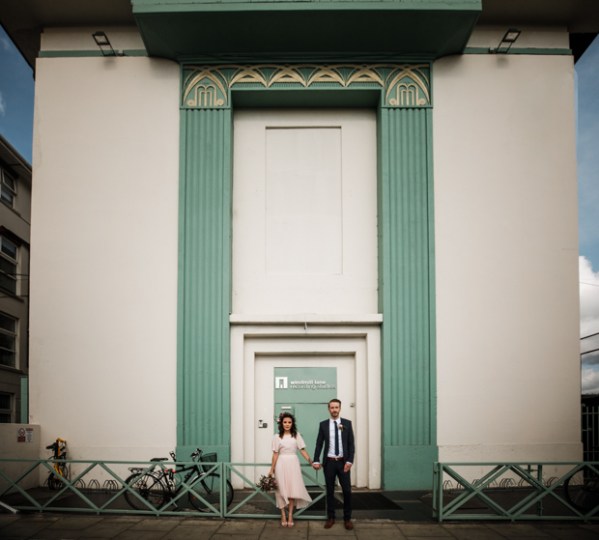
(336, 439)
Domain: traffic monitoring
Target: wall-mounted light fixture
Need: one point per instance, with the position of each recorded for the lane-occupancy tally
(508, 39)
(103, 42)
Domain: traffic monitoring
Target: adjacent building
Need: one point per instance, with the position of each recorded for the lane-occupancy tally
(248, 207)
(15, 224)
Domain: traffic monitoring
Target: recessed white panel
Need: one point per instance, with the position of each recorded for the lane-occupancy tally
(304, 212)
(304, 232)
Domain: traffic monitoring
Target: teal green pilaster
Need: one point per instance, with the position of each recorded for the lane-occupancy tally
(203, 389)
(406, 288)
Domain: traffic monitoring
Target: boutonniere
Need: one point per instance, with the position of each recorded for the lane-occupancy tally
(341, 426)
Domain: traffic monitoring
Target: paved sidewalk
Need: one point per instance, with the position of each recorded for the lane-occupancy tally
(71, 527)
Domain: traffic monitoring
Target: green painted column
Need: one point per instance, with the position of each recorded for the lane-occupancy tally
(406, 293)
(203, 389)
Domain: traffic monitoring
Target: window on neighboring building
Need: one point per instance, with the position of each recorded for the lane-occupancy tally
(8, 340)
(8, 188)
(8, 265)
(6, 402)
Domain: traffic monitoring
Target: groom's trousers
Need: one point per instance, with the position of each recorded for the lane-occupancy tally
(334, 469)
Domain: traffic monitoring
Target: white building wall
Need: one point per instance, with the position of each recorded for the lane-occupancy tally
(104, 267)
(104, 263)
(506, 258)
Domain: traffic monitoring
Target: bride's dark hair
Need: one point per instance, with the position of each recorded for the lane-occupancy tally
(293, 426)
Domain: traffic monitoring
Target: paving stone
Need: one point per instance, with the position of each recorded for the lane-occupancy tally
(236, 536)
(273, 530)
(242, 526)
(140, 535)
(25, 528)
(57, 534)
(339, 533)
(473, 532)
(518, 530)
(317, 530)
(195, 522)
(193, 530)
(187, 533)
(75, 523)
(107, 528)
(6, 519)
(418, 530)
(568, 532)
(156, 524)
(379, 534)
(375, 526)
(126, 527)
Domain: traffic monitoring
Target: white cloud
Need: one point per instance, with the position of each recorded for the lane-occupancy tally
(2, 105)
(589, 325)
(590, 380)
(589, 298)
(5, 43)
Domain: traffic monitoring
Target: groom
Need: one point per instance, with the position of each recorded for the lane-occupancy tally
(337, 436)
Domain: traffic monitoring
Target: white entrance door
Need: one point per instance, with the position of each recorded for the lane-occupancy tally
(307, 415)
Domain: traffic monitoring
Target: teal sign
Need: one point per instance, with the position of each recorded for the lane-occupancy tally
(305, 385)
(305, 392)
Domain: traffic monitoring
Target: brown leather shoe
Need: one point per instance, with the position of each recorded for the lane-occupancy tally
(349, 525)
(329, 523)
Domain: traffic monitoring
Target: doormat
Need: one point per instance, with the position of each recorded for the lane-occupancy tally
(360, 501)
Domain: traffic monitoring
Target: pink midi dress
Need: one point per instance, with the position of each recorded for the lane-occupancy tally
(288, 472)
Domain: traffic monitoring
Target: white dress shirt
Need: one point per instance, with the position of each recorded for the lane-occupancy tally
(331, 453)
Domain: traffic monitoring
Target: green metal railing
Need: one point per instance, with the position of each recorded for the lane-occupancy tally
(101, 487)
(516, 491)
(254, 497)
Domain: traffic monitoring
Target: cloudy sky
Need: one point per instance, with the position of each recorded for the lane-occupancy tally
(587, 70)
(16, 123)
(16, 98)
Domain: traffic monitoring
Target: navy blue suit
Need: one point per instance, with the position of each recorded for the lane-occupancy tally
(334, 469)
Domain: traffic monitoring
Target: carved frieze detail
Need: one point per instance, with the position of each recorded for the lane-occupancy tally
(402, 85)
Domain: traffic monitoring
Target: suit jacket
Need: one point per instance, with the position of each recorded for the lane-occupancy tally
(347, 440)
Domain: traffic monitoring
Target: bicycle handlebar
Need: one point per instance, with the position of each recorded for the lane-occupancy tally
(194, 455)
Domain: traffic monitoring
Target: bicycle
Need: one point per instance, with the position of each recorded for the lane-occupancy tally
(59, 466)
(158, 485)
(583, 494)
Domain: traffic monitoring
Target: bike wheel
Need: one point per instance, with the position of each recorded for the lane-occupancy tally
(53, 481)
(55, 477)
(205, 495)
(148, 487)
(582, 493)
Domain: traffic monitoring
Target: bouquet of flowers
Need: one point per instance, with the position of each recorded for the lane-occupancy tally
(267, 483)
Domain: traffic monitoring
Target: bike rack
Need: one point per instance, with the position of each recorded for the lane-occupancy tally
(539, 493)
(98, 487)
